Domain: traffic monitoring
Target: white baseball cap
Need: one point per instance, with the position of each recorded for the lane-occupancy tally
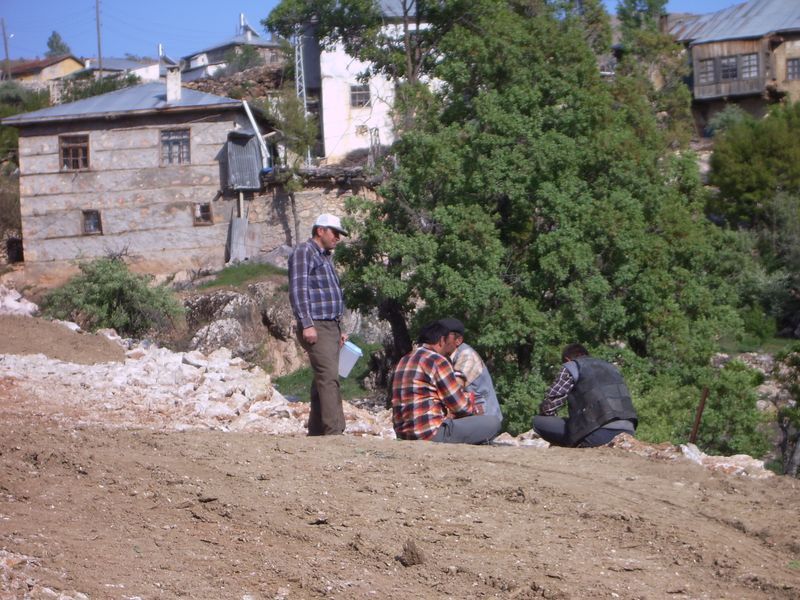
(332, 221)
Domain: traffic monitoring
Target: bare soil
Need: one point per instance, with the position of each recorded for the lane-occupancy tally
(103, 512)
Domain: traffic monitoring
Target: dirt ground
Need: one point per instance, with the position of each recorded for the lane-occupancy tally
(101, 512)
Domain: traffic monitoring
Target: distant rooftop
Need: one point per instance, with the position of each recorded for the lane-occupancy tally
(119, 64)
(247, 36)
(753, 19)
(34, 66)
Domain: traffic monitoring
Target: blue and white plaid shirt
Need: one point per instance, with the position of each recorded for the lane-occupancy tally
(314, 288)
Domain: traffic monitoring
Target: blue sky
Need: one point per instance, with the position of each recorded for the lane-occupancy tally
(183, 26)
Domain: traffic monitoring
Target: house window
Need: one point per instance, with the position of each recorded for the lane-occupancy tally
(175, 146)
(202, 214)
(749, 66)
(705, 71)
(92, 224)
(359, 96)
(74, 152)
(793, 68)
(728, 68)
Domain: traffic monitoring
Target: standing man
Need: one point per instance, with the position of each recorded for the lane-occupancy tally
(471, 369)
(600, 406)
(318, 304)
(428, 401)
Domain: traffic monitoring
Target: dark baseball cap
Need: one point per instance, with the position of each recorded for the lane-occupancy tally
(452, 325)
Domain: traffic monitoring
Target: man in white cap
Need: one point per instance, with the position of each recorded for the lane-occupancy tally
(318, 304)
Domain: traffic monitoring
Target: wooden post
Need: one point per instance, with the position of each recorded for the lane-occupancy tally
(700, 408)
(7, 64)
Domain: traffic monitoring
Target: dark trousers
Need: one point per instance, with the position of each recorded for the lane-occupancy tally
(326, 416)
(477, 429)
(554, 430)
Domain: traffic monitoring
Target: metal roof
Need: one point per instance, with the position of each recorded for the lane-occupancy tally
(748, 20)
(145, 98)
(119, 64)
(35, 66)
(394, 8)
(242, 39)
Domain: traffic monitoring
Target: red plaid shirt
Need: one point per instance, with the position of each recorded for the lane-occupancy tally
(425, 391)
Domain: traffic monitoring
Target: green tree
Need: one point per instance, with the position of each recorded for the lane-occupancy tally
(240, 59)
(300, 133)
(86, 87)
(541, 205)
(753, 162)
(14, 99)
(658, 65)
(788, 373)
(56, 46)
(756, 167)
(404, 47)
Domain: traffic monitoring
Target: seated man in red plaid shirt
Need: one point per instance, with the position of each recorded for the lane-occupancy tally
(428, 402)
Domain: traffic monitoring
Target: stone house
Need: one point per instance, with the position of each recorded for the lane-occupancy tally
(171, 178)
(748, 54)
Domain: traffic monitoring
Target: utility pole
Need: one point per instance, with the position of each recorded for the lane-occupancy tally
(7, 68)
(300, 79)
(99, 49)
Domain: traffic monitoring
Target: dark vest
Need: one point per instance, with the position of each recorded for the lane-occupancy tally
(599, 397)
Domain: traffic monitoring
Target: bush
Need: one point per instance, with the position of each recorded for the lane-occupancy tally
(240, 274)
(107, 294)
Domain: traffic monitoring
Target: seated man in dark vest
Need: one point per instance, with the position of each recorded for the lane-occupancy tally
(600, 406)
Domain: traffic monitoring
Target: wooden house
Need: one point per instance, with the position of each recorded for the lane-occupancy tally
(748, 54)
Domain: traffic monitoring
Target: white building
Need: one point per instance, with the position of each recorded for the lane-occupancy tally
(354, 117)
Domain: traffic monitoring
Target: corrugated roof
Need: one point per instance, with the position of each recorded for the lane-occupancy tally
(34, 66)
(120, 64)
(148, 97)
(752, 19)
(242, 39)
(394, 8)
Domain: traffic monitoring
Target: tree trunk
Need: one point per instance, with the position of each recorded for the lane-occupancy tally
(295, 218)
(793, 464)
(389, 310)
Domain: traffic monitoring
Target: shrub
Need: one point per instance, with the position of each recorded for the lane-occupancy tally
(107, 294)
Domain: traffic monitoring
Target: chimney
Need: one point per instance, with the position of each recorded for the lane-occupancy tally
(173, 83)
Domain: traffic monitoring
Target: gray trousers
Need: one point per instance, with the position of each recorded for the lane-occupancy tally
(554, 430)
(326, 416)
(477, 429)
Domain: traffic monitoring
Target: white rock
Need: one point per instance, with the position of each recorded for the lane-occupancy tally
(69, 325)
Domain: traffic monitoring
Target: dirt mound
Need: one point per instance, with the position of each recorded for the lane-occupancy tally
(99, 513)
(29, 335)
(95, 505)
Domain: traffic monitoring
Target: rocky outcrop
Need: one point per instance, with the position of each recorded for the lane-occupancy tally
(12, 303)
(159, 389)
(257, 324)
(251, 84)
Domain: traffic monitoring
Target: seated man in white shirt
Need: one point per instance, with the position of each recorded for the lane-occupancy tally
(471, 370)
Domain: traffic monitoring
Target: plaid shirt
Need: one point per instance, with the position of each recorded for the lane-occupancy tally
(314, 288)
(425, 391)
(556, 396)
